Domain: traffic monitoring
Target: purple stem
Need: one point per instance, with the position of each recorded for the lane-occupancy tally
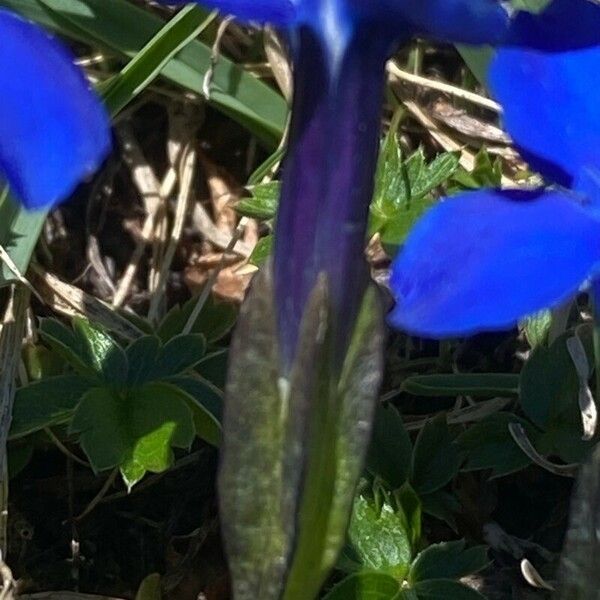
(328, 176)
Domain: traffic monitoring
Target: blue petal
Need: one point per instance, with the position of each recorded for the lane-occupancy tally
(53, 129)
(587, 185)
(483, 260)
(277, 12)
(466, 21)
(548, 107)
(563, 25)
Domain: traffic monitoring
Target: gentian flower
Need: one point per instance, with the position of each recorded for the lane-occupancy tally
(53, 129)
(339, 50)
(483, 260)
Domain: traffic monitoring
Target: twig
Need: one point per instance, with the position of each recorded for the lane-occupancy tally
(467, 159)
(70, 300)
(64, 595)
(188, 169)
(212, 278)
(153, 193)
(99, 496)
(12, 332)
(183, 124)
(214, 57)
(156, 477)
(216, 236)
(64, 449)
(11, 338)
(75, 545)
(8, 583)
(398, 73)
(12, 267)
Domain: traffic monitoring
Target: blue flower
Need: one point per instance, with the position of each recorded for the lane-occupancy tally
(53, 129)
(483, 260)
(339, 49)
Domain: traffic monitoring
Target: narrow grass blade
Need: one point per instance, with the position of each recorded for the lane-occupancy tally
(150, 60)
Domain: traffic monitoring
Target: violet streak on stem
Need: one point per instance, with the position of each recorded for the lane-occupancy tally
(328, 176)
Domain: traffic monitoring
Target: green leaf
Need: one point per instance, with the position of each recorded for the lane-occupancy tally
(213, 367)
(549, 382)
(101, 419)
(87, 348)
(391, 188)
(409, 513)
(267, 167)
(448, 560)
(262, 250)
(488, 444)
(100, 351)
(478, 59)
(41, 362)
(439, 170)
(441, 505)
(206, 403)
(435, 457)
(563, 439)
(390, 451)
(366, 586)
(486, 173)
(341, 415)
(479, 385)
(46, 403)
(537, 327)
(158, 404)
(18, 457)
(263, 203)
(180, 354)
(258, 480)
(549, 396)
(397, 227)
(64, 342)
(149, 360)
(142, 355)
(378, 538)
(150, 588)
(155, 435)
(445, 589)
(214, 321)
(134, 431)
(403, 189)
